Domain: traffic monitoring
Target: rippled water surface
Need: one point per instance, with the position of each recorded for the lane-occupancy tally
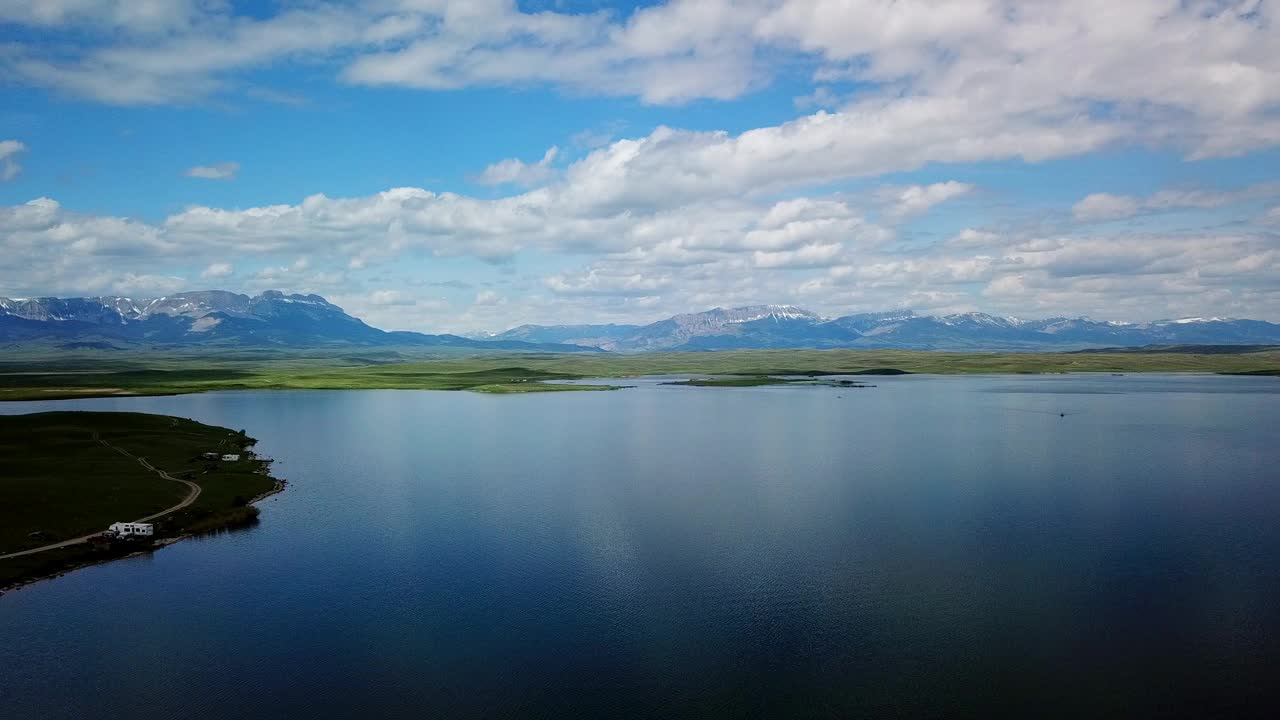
(1038, 545)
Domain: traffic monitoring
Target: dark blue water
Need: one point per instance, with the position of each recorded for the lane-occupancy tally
(928, 547)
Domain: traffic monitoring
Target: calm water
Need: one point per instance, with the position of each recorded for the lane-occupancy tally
(930, 546)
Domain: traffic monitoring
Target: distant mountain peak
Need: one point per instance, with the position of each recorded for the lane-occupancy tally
(215, 316)
(1192, 320)
(278, 318)
(752, 313)
(745, 314)
(788, 326)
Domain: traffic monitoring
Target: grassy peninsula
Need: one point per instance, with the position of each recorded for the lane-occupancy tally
(28, 374)
(66, 475)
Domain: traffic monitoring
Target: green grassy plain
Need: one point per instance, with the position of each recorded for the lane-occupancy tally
(56, 480)
(53, 374)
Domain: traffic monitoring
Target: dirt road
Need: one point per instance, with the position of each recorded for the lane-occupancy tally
(190, 498)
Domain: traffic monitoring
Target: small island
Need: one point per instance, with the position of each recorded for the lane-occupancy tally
(67, 477)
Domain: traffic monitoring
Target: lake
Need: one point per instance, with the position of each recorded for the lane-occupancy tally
(931, 546)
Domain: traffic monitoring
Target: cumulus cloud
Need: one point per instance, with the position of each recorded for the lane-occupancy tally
(390, 297)
(217, 270)
(433, 46)
(295, 275)
(973, 238)
(603, 281)
(1011, 79)
(675, 219)
(908, 202)
(683, 254)
(818, 148)
(9, 167)
(1105, 206)
(667, 53)
(147, 285)
(821, 97)
(219, 171)
(1124, 277)
(1200, 71)
(43, 226)
(132, 16)
(807, 256)
(192, 56)
(1142, 277)
(514, 171)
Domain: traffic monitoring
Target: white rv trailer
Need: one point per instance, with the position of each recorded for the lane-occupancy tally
(132, 529)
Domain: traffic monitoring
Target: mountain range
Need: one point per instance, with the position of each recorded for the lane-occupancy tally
(786, 326)
(217, 317)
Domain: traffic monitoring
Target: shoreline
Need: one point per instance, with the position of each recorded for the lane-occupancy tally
(571, 384)
(160, 544)
(157, 373)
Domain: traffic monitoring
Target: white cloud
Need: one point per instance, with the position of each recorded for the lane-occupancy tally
(808, 256)
(9, 167)
(395, 309)
(1104, 206)
(219, 171)
(193, 61)
(973, 238)
(993, 78)
(489, 297)
(683, 254)
(514, 171)
(667, 53)
(134, 16)
(435, 45)
(914, 200)
(821, 97)
(677, 219)
(390, 297)
(147, 285)
(1206, 199)
(788, 224)
(1202, 73)
(217, 270)
(603, 282)
(592, 138)
(272, 276)
(870, 140)
(42, 226)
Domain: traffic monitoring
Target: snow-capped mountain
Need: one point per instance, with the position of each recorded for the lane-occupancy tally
(751, 313)
(274, 318)
(214, 317)
(784, 326)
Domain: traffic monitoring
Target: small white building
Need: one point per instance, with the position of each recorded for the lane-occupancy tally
(230, 458)
(132, 529)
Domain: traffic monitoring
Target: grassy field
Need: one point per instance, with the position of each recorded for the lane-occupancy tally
(66, 374)
(58, 483)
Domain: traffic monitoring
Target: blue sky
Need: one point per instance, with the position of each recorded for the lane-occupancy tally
(434, 165)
